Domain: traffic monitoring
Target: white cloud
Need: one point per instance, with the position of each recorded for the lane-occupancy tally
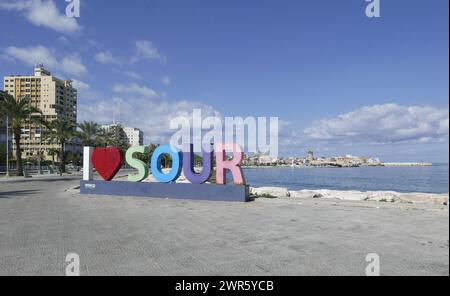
(32, 55)
(133, 75)
(381, 124)
(166, 80)
(69, 64)
(144, 51)
(80, 85)
(106, 57)
(135, 89)
(43, 13)
(85, 91)
(73, 64)
(149, 114)
(63, 39)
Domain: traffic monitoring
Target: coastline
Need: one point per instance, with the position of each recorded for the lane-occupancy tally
(382, 196)
(352, 195)
(384, 164)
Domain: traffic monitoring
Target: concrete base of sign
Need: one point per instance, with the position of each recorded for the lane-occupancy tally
(211, 192)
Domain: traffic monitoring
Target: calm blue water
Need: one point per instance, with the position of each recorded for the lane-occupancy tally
(402, 179)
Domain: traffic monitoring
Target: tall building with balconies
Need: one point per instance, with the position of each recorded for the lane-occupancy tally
(5, 141)
(2, 124)
(135, 137)
(129, 135)
(56, 98)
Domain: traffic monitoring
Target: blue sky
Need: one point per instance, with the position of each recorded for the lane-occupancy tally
(341, 82)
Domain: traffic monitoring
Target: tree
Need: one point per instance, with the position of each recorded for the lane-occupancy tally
(73, 158)
(19, 112)
(111, 139)
(89, 132)
(53, 152)
(37, 160)
(147, 156)
(60, 131)
(104, 139)
(2, 154)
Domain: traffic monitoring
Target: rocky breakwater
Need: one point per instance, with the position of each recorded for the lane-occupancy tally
(377, 196)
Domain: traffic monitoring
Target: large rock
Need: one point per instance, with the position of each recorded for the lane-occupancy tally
(382, 196)
(324, 193)
(302, 194)
(378, 196)
(418, 198)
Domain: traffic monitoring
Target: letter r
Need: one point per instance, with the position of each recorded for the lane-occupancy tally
(234, 165)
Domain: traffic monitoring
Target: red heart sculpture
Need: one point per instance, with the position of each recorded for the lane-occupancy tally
(107, 161)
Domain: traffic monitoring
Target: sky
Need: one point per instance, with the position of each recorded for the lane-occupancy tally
(340, 82)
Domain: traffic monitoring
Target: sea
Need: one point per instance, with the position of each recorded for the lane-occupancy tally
(427, 179)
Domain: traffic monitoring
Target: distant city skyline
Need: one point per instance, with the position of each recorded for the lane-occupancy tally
(339, 82)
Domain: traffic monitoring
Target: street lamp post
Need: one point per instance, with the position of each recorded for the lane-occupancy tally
(39, 165)
(7, 147)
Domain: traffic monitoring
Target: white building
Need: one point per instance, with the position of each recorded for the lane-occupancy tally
(132, 136)
(135, 136)
(265, 159)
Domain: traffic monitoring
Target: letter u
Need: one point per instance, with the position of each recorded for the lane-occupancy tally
(188, 166)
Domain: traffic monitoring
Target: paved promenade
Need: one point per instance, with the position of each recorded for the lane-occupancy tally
(40, 223)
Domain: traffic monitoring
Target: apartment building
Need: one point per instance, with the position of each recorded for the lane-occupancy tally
(135, 136)
(5, 142)
(116, 131)
(56, 98)
(2, 125)
(130, 135)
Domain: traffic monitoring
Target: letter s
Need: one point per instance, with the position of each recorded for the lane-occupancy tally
(137, 164)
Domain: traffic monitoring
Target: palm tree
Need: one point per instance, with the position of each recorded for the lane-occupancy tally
(53, 152)
(104, 138)
(109, 138)
(60, 131)
(19, 112)
(89, 132)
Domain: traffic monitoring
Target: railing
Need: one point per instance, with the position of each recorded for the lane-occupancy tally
(34, 170)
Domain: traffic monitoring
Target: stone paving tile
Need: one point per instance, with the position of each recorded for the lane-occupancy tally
(40, 223)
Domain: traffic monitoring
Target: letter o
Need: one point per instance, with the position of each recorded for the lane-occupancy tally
(175, 172)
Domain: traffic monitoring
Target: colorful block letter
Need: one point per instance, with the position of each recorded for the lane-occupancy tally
(222, 164)
(175, 172)
(88, 172)
(188, 166)
(137, 164)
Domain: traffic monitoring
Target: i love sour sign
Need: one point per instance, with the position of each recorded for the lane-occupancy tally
(108, 161)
